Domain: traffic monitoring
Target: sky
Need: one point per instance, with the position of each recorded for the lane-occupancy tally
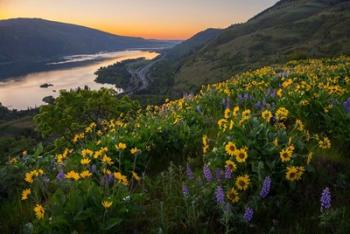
(157, 19)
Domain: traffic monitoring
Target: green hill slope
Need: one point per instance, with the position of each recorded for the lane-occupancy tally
(287, 124)
(291, 29)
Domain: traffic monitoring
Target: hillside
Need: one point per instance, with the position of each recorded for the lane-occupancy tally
(291, 29)
(263, 152)
(191, 45)
(172, 59)
(26, 42)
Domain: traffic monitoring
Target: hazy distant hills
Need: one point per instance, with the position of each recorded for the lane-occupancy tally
(191, 45)
(34, 40)
(291, 29)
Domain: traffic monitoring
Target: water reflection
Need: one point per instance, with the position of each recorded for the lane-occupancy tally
(23, 92)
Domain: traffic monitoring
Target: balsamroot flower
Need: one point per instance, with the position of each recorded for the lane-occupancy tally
(219, 195)
(248, 214)
(265, 190)
(107, 204)
(207, 173)
(39, 211)
(325, 199)
(26, 193)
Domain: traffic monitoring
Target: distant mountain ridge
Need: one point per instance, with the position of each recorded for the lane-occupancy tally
(291, 29)
(24, 42)
(37, 38)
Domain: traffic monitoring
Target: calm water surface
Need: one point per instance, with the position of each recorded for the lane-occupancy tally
(24, 91)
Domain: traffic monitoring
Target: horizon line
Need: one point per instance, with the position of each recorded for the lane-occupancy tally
(106, 31)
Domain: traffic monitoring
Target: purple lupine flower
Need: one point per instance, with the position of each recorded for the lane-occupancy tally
(185, 190)
(207, 173)
(189, 172)
(248, 214)
(218, 173)
(219, 195)
(60, 176)
(325, 199)
(109, 179)
(346, 105)
(93, 168)
(271, 93)
(228, 173)
(265, 190)
(260, 105)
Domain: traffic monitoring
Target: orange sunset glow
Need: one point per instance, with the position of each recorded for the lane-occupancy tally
(158, 19)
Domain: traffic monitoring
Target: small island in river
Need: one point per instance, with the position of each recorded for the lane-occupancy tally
(45, 85)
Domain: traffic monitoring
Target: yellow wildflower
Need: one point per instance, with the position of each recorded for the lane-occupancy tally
(246, 114)
(85, 174)
(241, 155)
(227, 113)
(231, 165)
(120, 146)
(294, 173)
(26, 193)
(242, 182)
(279, 93)
(266, 115)
(39, 211)
(86, 152)
(205, 144)
(325, 143)
(135, 176)
(235, 111)
(121, 178)
(107, 160)
(282, 113)
(291, 173)
(134, 151)
(222, 123)
(85, 161)
(72, 175)
(300, 172)
(29, 177)
(230, 148)
(299, 125)
(309, 158)
(106, 204)
(286, 154)
(231, 124)
(232, 195)
(287, 83)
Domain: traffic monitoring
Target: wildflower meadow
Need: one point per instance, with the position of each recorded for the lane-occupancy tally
(263, 152)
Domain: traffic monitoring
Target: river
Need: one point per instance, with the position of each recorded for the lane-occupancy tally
(24, 92)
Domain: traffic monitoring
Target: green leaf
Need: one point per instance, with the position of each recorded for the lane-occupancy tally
(111, 223)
